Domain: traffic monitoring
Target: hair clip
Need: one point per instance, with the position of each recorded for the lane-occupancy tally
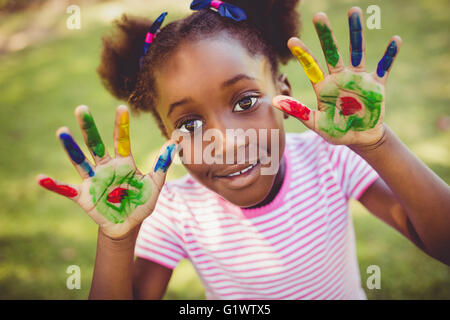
(224, 9)
(151, 35)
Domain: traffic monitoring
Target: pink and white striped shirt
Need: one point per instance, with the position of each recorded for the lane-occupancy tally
(299, 246)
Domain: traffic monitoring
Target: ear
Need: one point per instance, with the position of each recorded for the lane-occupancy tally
(283, 88)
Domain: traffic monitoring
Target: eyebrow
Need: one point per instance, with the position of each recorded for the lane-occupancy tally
(225, 84)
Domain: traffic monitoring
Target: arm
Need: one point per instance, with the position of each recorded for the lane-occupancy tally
(117, 276)
(410, 197)
(112, 278)
(118, 197)
(351, 110)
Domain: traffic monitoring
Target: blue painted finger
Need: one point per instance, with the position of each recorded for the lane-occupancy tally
(354, 23)
(75, 153)
(386, 62)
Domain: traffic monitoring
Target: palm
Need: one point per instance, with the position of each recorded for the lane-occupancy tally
(351, 106)
(117, 196)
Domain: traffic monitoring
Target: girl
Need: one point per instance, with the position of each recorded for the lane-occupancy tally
(250, 235)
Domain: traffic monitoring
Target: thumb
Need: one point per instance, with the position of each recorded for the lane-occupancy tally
(296, 109)
(163, 162)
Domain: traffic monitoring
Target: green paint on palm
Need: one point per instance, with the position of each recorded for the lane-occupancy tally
(138, 191)
(326, 38)
(334, 123)
(94, 141)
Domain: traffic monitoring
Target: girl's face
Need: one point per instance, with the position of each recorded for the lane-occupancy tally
(213, 85)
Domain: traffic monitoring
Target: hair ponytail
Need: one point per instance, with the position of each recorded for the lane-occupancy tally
(119, 64)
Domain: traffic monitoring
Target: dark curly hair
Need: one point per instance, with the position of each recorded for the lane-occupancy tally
(268, 26)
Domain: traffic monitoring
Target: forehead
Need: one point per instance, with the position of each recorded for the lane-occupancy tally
(202, 66)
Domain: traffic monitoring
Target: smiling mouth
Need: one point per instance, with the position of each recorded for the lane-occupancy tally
(240, 172)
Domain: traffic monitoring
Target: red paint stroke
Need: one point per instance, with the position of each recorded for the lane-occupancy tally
(117, 195)
(49, 184)
(349, 105)
(295, 109)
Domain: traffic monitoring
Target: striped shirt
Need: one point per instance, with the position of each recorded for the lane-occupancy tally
(299, 246)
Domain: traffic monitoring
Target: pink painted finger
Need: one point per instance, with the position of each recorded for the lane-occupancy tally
(66, 190)
(295, 109)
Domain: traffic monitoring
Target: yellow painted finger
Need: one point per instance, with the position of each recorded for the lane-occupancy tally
(123, 134)
(312, 69)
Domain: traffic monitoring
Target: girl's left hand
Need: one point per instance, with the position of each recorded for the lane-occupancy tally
(350, 100)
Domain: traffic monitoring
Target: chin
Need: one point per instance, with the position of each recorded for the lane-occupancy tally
(251, 195)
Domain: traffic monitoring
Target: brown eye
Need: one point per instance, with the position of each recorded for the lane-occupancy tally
(190, 125)
(245, 104)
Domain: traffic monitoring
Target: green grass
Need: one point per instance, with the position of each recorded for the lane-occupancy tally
(41, 234)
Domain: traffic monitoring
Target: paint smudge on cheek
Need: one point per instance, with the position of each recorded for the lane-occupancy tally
(165, 159)
(295, 109)
(63, 190)
(75, 153)
(349, 105)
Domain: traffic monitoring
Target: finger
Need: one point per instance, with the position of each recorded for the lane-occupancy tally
(64, 189)
(385, 64)
(163, 161)
(328, 42)
(310, 65)
(82, 165)
(91, 134)
(357, 43)
(122, 132)
(296, 109)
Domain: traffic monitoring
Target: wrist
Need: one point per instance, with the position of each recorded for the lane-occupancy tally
(373, 146)
(126, 242)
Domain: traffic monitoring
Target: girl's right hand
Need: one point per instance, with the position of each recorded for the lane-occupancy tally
(114, 192)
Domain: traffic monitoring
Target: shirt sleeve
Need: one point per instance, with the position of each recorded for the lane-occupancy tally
(160, 237)
(354, 174)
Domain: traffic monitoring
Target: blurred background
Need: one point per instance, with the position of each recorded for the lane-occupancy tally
(47, 69)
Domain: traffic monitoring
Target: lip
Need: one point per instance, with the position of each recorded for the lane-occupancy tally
(234, 168)
(241, 180)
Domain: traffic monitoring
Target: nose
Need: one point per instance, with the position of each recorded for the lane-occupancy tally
(230, 142)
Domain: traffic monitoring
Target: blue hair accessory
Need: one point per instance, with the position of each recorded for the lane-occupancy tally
(224, 9)
(151, 34)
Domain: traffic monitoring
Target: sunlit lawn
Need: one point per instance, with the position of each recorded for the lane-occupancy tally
(41, 234)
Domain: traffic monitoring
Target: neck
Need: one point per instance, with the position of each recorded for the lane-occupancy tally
(275, 187)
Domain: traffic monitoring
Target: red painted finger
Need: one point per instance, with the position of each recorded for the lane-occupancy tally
(63, 189)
